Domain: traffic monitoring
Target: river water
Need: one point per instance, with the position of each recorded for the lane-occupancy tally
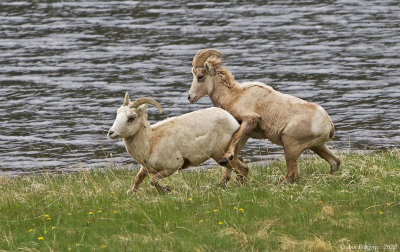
(65, 66)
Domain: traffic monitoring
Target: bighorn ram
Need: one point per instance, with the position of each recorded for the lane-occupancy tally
(175, 143)
(286, 120)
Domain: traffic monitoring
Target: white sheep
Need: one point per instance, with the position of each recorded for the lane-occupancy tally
(175, 143)
(286, 120)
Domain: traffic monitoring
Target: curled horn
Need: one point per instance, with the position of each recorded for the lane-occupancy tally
(144, 100)
(203, 55)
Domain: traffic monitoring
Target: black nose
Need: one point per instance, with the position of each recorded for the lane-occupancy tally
(188, 97)
(110, 132)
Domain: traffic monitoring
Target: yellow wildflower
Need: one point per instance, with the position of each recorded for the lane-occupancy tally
(201, 221)
(241, 210)
(206, 212)
(220, 223)
(99, 211)
(190, 199)
(52, 228)
(115, 211)
(215, 210)
(103, 246)
(90, 213)
(69, 213)
(69, 248)
(48, 218)
(45, 232)
(30, 230)
(380, 212)
(77, 245)
(388, 204)
(40, 238)
(46, 215)
(235, 208)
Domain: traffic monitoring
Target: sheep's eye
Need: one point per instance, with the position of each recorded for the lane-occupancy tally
(131, 118)
(200, 78)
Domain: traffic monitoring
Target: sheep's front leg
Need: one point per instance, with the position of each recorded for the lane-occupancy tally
(138, 179)
(159, 175)
(249, 122)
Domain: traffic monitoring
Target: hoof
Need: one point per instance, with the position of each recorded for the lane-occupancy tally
(283, 180)
(130, 191)
(222, 185)
(287, 180)
(224, 182)
(241, 182)
(335, 167)
(167, 189)
(223, 161)
(164, 189)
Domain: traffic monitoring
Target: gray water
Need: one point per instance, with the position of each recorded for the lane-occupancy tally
(65, 66)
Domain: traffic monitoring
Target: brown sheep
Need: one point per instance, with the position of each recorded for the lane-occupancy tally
(263, 112)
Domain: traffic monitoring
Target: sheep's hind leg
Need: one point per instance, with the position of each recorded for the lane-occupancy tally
(226, 177)
(241, 171)
(292, 164)
(324, 152)
(292, 155)
(138, 179)
(159, 175)
(248, 124)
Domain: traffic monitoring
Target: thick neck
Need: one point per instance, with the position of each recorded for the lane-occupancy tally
(138, 145)
(221, 95)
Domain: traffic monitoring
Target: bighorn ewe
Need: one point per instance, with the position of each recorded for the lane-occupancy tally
(175, 143)
(286, 120)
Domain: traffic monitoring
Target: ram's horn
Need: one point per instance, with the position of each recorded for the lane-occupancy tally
(203, 55)
(144, 100)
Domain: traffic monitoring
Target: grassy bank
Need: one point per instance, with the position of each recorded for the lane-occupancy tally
(89, 211)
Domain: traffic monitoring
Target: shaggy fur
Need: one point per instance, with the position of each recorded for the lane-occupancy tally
(263, 112)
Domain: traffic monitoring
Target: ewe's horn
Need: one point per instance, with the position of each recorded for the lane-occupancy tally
(144, 100)
(126, 99)
(203, 55)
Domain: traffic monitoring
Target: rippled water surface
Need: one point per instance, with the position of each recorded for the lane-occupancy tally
(65, 66)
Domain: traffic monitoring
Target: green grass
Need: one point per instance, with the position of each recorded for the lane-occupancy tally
(89, 211)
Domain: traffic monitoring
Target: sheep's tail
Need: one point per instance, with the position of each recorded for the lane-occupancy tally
(332, 133)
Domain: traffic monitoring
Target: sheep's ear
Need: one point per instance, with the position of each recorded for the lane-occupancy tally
(126, 99)
(210, 70)
(141, 109)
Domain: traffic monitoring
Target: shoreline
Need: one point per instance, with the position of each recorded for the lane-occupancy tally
(210, 164)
